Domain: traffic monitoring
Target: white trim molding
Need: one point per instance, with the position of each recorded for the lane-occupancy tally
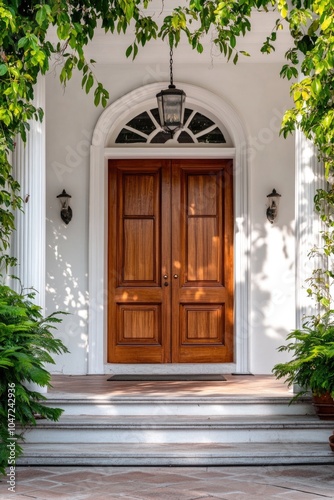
(101, 152)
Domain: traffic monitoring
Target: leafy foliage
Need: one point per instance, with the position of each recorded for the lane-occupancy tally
(312, 28)
(26, 344)
(312, 366)
(25, 53)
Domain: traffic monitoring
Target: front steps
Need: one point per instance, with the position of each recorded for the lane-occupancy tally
(180, 405)
(177, 455)
(183, 430)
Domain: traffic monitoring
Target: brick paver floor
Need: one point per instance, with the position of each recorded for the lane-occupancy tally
(173, 483)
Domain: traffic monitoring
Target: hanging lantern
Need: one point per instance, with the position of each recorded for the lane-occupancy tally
(171, 104)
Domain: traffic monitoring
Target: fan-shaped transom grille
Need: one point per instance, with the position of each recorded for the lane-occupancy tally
(145, 128)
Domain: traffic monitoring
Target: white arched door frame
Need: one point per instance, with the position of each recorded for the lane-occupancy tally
(116, 113)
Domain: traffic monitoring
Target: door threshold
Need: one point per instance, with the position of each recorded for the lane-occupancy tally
(175, 377)
(170, 369)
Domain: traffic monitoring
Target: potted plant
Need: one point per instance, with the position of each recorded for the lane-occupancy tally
(331, 442)
(26, 344)
(312, 365)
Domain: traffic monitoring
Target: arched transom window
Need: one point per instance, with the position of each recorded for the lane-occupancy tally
(145, 129)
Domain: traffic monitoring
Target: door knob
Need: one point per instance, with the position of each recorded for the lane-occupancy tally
(165, 276)
(175, 276)
(166, 283)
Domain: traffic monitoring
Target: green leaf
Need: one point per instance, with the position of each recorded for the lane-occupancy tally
(90, 83)
(40, 16)
(313, 27)
(199, 48)
(135, 50)
(3, 69)
(128, 51)
(327, 23)
(22, 42)
(97, 97)
(316, 86)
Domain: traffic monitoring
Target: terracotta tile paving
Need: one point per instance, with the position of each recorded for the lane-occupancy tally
(172, 483)
(77, 476)
(167, 493)
(296, 495)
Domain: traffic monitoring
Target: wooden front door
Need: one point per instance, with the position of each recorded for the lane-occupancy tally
(170, 266)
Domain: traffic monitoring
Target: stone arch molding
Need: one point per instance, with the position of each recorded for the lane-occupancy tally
(118, 112)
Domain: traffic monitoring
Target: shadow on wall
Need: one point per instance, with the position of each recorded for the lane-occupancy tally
(280, 263)
(66, 291)
(272, 292)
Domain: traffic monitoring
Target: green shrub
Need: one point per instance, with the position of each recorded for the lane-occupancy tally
(26, 344)
(312, 365)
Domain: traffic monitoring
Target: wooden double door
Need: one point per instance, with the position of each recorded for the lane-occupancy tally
(170, 261)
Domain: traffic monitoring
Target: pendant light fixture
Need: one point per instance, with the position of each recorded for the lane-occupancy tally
(171, 104)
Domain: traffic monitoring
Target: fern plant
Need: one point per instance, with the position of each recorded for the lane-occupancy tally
(312, 364)
(26, 344)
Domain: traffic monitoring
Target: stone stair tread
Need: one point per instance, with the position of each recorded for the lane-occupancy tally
(65, 397)
(233, 421)
(192, 406)
(176, 454)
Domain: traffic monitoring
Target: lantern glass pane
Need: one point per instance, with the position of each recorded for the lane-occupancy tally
(172, 105)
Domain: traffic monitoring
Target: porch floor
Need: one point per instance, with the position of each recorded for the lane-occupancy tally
(235, 385)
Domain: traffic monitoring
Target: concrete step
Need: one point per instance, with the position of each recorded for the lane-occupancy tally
(180, 429)
(178, 455)
(181, 405)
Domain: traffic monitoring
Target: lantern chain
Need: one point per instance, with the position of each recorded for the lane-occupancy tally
(171, 65)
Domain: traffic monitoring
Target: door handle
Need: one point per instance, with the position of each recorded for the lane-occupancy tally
(175, 276)
(165, 276)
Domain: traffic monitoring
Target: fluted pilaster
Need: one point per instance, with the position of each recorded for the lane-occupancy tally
(28, 244)
(309, 178)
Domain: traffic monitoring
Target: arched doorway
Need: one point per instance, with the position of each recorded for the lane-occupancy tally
(104, 148)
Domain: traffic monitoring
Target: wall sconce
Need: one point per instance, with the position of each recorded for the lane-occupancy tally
(272, 205)
(66, 211)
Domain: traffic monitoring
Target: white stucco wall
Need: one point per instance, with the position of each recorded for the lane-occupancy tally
(259, 96)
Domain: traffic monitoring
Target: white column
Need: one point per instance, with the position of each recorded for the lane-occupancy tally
(28, 244)
(309, 178)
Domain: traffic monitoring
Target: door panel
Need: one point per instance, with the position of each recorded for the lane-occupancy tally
(139, 323)
(202, 252)
(138, 257)
(201, 324)
(170, 261)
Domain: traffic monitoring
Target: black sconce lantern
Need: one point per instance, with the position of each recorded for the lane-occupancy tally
(171, 104)
(272, 207)
(66, 210)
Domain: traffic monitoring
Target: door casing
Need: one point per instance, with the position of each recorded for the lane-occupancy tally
(100, 152)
